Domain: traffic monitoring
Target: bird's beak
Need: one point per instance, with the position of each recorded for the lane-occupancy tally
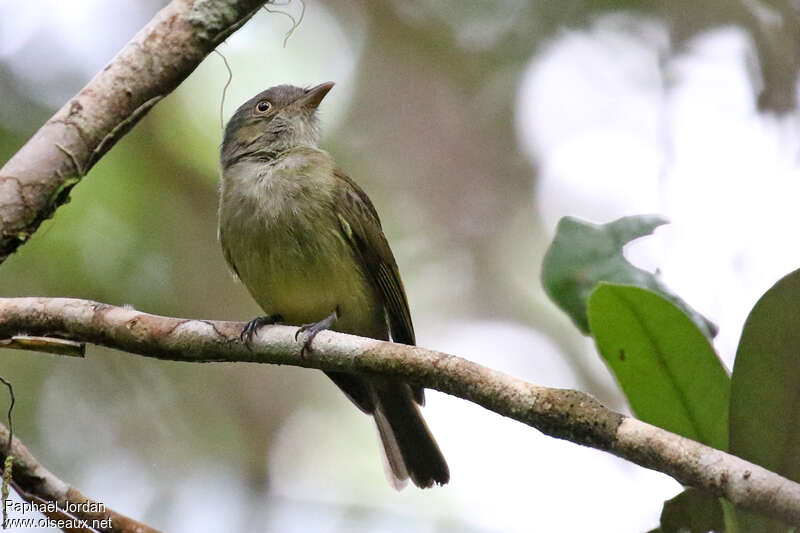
(313, 96)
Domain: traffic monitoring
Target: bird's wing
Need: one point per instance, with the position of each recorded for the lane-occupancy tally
(362, 227)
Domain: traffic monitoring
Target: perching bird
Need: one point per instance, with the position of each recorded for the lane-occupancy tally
(307, 243)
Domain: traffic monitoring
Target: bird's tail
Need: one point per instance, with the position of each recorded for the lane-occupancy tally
(409, 448)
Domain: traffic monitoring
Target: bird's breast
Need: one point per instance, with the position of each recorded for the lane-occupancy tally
(284, 240)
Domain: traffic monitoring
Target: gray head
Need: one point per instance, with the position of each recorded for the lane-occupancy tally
(275, 120)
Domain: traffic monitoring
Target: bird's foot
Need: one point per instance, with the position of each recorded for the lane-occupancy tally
(252, 327)
(306, 333)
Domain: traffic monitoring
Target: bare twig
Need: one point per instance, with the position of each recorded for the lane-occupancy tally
(566, 414)
(12, 401)
(44, 345)
(38, 178)
(58, 500)
(8, 462)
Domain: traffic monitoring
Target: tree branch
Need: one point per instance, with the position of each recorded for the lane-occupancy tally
(40, 487)
(565, 414)
(38, 178)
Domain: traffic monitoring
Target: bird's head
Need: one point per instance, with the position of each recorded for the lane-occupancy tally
(273, 121)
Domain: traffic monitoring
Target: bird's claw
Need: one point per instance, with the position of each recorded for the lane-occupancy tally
(306, 333)
(251, 328)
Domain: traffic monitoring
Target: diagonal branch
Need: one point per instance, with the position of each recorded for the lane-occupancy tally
(565, 414)
(60, 502)
(38, 178)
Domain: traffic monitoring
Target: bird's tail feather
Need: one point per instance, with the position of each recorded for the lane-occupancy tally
(410, 450)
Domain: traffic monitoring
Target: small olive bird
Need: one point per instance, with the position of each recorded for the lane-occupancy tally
(307, 243)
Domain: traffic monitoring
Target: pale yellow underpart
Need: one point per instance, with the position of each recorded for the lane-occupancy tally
(281, 233)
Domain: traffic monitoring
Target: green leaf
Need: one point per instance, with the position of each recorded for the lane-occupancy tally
(692, 511)
(583, 254)
(666, 366)
(765, 389)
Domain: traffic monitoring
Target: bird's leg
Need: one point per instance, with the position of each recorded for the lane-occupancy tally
(309, 331)
(251, 327)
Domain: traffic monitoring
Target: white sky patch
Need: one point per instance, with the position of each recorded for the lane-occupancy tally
(319, 50)
(617, 129)
(589, 113)
(55, 46)
(44, 42)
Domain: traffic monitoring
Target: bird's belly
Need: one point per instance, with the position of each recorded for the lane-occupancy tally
(305, 276)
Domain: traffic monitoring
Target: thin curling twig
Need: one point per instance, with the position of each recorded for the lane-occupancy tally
(224, 89)
(295, 21)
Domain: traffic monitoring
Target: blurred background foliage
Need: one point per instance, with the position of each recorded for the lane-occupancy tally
(473, 126)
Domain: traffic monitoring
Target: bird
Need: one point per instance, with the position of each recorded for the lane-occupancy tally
(307, 243)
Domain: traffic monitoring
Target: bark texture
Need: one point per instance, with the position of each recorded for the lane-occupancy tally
(565, 414)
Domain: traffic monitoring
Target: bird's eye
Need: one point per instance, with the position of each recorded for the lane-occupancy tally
(263, 106)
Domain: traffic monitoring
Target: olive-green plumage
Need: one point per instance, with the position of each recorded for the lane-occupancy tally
(307, 243)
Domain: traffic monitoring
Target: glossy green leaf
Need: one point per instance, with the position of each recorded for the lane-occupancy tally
(666, 366)
(765, 389)
(583, 254)
(692, 511)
